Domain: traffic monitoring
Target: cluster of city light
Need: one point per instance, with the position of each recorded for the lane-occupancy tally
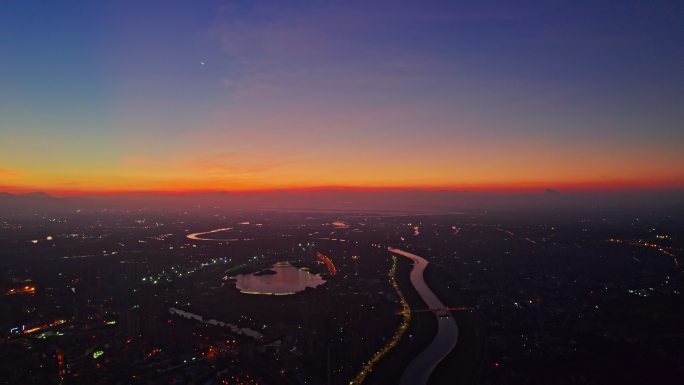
(398, 334)
(641, 292)
(165, 276)
(60, 365)
(328, 262)
(43, 327)
(22, 290)
(152, 353)
(45, 335)
(651, 245)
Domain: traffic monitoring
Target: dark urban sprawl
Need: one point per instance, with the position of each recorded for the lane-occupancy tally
(257, 297)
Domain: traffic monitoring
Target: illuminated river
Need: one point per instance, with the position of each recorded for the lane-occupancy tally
(419, 370)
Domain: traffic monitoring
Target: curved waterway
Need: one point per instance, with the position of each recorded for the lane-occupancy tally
(419, 370)
(198, 236)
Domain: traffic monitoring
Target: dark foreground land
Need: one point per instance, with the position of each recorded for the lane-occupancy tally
(589, 298)
(551, 298)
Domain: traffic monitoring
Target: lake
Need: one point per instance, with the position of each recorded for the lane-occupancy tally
(283, 280)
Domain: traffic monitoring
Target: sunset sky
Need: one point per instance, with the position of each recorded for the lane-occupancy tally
(257, 95)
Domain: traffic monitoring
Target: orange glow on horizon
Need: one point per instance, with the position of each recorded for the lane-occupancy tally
(419, 165)
(649, 185)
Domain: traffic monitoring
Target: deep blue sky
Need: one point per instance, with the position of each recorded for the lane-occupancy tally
(259, 94)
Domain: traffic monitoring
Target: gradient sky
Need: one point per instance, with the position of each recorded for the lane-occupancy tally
(249, 95)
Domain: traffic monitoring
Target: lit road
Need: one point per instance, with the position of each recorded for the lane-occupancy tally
(419, 370)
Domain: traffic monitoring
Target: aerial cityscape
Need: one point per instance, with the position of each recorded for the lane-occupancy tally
(342, 193)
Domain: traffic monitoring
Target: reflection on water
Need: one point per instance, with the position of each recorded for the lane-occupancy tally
(286, 280)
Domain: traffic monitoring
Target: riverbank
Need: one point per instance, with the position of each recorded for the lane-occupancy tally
(421, 331)
(463, 364)
(405, 312)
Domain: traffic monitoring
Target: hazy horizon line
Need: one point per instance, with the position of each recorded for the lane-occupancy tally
(490, 188)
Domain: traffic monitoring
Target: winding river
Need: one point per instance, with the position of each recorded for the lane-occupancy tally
(199, 236)
(419, 370)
